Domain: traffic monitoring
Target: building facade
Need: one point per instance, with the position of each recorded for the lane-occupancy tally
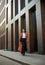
(18, 14)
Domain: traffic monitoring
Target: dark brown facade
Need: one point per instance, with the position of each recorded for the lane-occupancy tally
(43, 22)
(18, 14)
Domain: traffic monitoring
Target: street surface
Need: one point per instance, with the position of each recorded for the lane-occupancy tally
(6, 61)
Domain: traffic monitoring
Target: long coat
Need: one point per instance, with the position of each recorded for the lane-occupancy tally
(20, 44)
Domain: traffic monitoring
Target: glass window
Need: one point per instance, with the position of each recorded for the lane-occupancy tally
(11, 9)
(16, 7)
(7, 15)
(29, 0)
(7, 1)
(22, 3)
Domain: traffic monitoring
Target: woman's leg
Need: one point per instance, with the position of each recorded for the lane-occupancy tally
(23, 47)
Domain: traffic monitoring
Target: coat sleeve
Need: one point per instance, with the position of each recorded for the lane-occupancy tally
(26, 39)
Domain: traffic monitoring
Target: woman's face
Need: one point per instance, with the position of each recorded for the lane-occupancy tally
(23, 30)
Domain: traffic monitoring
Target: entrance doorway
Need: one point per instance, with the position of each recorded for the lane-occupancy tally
(33, 30)
(16, 35)
(11, 37)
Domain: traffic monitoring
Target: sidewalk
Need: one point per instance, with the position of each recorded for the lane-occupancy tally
(31, 59)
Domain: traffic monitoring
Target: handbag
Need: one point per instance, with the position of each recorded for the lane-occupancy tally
(20, 47)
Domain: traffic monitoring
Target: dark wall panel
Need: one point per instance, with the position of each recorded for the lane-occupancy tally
(43, 22)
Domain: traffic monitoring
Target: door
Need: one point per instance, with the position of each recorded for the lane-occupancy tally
(16, 35)
(33, 30)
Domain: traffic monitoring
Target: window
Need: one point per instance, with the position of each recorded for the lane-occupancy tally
(7, 38)
(7, 15)
(12, 37)
(11, 9)
(23, 22)
(7, 1)
(22, 3)
(16, 7)
(29, 0)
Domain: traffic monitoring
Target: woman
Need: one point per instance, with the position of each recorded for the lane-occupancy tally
(23, 40)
